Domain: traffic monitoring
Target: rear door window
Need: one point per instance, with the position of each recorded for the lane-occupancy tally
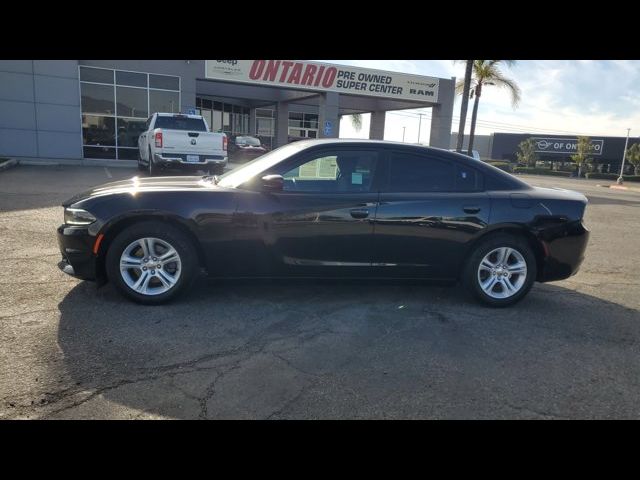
(412, 172)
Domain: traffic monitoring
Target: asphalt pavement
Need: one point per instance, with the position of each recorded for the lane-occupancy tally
(312, 350)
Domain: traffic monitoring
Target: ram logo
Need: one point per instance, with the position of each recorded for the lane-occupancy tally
(193, 141)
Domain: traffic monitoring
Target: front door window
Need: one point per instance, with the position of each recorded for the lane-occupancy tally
(335, 172)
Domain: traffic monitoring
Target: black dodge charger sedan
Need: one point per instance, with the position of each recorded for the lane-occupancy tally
(332, 209)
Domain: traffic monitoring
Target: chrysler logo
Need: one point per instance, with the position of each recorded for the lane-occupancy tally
(193, 141)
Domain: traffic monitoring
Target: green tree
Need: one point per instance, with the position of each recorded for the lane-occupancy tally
(633, 155)
(526, 153)
(487, 72)
(581, 157)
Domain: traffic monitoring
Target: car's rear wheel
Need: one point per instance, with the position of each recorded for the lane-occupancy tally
(501, 270)
(151, 262)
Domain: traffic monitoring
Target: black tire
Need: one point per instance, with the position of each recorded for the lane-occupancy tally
(470, 275)
(167, 233)
(217, 170)
(141, 167)
(153, 170)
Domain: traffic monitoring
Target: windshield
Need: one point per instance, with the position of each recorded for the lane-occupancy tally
(248, 141)
(239, 175)
(181, 123)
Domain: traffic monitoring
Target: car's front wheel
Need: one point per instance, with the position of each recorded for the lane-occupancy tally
(501, 270)
(151, 262)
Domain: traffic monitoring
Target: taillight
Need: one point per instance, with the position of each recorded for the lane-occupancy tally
(158, 139)
(224, 142)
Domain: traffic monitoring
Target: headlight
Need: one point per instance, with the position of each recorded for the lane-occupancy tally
(78, 216)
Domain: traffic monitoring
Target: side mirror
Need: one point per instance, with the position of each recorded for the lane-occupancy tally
(272, 183)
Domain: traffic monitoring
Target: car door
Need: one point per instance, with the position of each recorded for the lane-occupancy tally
(320, 224)
(430, 207)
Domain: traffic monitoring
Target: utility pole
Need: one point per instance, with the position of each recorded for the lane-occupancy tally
(624, 155)
(419, 126)
(403, 129)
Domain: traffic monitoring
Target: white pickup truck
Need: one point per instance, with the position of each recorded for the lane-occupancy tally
(172, 140)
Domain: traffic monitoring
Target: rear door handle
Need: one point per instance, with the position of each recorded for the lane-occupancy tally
(359, 213)
(471, 209)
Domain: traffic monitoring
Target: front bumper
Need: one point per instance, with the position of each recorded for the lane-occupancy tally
(565, 247)
(180, 161)
(76, 246)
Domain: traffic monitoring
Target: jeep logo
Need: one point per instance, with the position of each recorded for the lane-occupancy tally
(230, 62)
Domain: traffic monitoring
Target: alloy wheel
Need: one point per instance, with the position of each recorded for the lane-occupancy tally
(502, 272)
(150, 266)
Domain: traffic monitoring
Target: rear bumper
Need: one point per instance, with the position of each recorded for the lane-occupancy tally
(179, 160)
(75, 245)
(565, 247)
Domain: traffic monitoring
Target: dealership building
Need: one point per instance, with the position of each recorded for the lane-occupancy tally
(80, 111)
(606, 153)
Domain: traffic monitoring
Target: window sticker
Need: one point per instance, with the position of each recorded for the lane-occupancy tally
(356, 178)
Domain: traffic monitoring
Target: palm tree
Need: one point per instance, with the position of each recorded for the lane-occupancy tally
(465, 102)
(356, 121)
(487, 72)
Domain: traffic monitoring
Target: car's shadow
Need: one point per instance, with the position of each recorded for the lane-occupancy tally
(347, 350)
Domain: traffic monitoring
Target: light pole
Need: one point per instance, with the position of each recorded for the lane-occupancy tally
(419, 126)
(403, 129)
(624, 155)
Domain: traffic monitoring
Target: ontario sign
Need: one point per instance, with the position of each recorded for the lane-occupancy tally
(565, 146)
(325, 77)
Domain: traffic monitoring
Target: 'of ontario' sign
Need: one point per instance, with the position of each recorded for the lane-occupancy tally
(325, 77)
(565, 145)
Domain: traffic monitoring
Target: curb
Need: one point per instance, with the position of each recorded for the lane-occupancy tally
(12, 162)
(620, 187)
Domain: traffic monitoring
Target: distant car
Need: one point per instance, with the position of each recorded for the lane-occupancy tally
(328, 208)
(244, 148)
(474, 153)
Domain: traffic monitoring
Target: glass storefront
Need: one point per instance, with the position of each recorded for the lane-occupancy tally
(303, 125)
(115, 106)
(234, 120)
(224, 117)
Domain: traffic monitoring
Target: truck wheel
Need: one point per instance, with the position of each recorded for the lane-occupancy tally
(141, 167)
(153, 170)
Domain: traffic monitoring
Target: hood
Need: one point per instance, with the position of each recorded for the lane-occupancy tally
(144, 184)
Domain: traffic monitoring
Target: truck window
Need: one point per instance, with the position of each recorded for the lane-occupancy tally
(181, 123)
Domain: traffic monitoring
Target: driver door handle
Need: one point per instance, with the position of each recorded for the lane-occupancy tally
(471, 209)
(360, 212)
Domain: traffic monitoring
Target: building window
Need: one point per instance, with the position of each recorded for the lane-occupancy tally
(115, 106)
(303, 125)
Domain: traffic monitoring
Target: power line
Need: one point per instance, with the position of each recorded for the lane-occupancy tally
(504, 126)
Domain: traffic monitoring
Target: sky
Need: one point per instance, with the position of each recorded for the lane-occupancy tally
(573, 97)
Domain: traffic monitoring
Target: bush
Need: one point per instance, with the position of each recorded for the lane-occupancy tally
(541, 171)
(612, 176)
(506, 166)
